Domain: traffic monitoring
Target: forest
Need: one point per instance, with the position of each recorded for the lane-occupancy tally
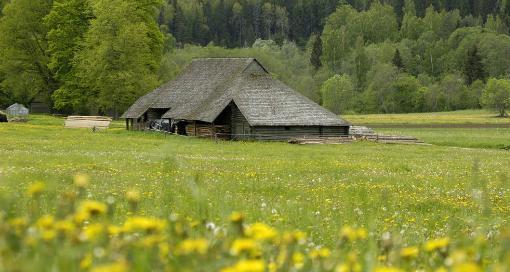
(356, 56)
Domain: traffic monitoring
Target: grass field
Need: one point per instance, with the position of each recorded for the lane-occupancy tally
(497, 138)
(424, 207)
(465, 117)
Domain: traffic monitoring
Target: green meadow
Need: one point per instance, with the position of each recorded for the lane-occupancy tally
(463, 117)
(414, 192)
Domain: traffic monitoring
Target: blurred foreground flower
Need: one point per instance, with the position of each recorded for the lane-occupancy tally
(35, 189)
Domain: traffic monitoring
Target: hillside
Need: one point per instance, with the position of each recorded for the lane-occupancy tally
(350, 56)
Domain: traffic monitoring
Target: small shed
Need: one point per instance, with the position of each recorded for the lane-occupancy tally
(17, 112)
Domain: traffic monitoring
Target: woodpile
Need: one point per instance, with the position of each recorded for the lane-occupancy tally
(384, 139)
(92, 122)
(361, 130)
(392, 139)
(208, 131)
(327, 140)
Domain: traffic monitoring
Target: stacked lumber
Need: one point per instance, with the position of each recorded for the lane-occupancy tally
(361, 130)
(391, 139)
(327, 140)
(385, 139)
(92, 122)
(208, 131)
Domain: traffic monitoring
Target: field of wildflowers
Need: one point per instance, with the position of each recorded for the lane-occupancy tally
(74, 200)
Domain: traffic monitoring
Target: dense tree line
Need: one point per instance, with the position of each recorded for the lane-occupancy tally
(89, 56)
(238, 23)
(437, 62)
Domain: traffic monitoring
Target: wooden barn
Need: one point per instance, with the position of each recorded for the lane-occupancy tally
(233, 98)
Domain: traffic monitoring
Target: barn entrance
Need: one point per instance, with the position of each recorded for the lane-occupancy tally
(233, 122)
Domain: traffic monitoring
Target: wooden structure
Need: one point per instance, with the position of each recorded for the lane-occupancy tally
(91, 122)
(233, 98)
(384, 139)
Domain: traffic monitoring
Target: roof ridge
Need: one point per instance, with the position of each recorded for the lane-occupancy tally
(224, 85)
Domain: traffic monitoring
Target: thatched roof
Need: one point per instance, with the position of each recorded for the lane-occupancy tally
(208, 86)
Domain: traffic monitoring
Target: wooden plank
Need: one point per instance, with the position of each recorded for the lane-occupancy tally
(99, 122)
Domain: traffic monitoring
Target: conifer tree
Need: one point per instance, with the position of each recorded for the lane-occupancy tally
(473, 68)
(397, 60)
(315, 57)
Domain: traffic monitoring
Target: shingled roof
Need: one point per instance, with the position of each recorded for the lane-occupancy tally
(207, 86)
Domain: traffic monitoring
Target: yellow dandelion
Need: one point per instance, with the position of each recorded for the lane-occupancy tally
(114, 230)
(151, 225)
(152, 240)
(361, 233)
(164, 251)
(298, 260)
(438, 244)
(114, 267)
(318, 253)
(48, 235)
(354, 267)
(19, 224)
(246, 266)
(351, 234)
(244, 245)
(46, 222)
(387, 269)
(133, 196)
(35, 189)
(409, 252)
(88, 209)
(190, 246)
(92, 232)
(259, 231)
(236, 217)
(467, 267)
(81, 181)
(64, 226)
(86, 262)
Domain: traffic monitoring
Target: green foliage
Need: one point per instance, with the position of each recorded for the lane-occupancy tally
(87, 56)
(497, 96)
(338, 94)
(473, 69)
(316, 54)
(121, 54)
(23, 51)
(397, 60)
(68, 22)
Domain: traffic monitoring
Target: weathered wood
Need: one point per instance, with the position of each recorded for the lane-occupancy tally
(384, 139)
(327, 140)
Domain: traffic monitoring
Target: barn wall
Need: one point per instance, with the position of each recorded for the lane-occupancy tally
(285, 133)
(241, 129)
(155, 114)
(208, 130)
